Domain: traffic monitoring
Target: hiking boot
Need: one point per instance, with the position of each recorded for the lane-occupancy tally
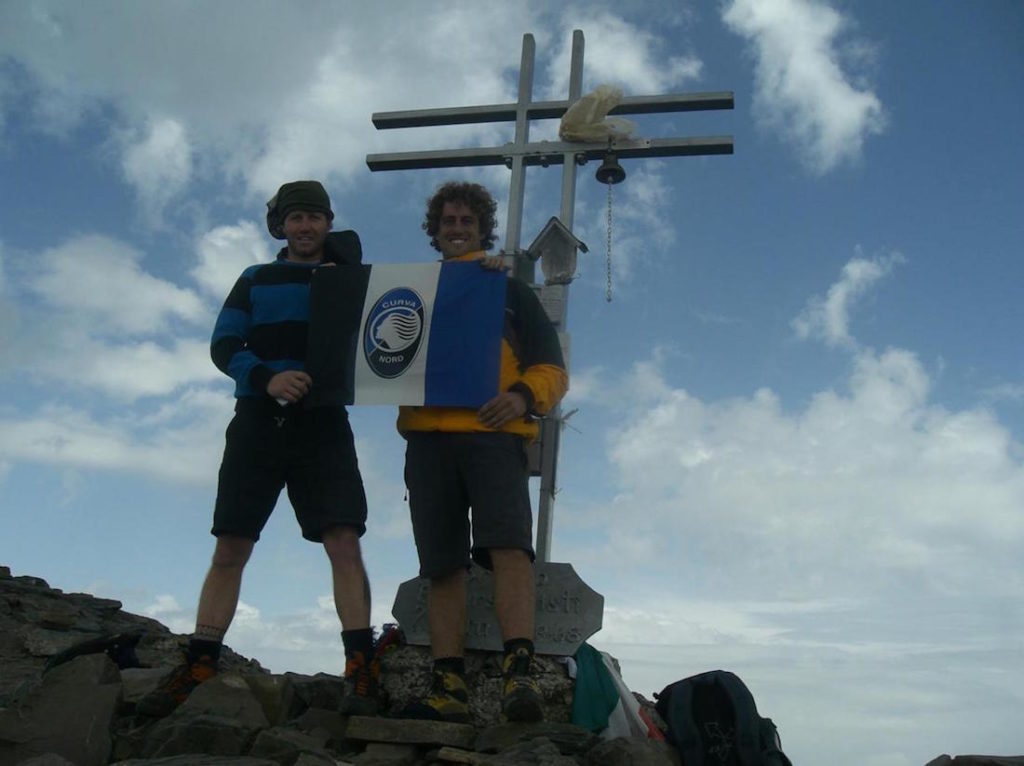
(176, 687)
(520, 698)
(448, 700)
(362, 689)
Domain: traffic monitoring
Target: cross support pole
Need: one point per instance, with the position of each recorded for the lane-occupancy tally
(548, 110)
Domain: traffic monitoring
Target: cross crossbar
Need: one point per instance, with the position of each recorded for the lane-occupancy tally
(550, 153)
(548, 110)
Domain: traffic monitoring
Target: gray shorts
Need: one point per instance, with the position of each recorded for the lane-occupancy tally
(447, 474)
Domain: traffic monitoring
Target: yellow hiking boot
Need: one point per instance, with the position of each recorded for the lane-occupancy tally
(520, 698)
(448, 700)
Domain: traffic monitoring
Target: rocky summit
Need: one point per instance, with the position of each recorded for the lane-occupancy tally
(73, 667)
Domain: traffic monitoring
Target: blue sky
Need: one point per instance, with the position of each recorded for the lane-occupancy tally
(798, 446)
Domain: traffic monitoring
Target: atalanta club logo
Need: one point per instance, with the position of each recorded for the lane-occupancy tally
(394, 330)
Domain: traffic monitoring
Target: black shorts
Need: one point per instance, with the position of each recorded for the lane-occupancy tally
(449, 473)
(312, 452)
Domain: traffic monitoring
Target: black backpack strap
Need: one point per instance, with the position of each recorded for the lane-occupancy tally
(771, 745)
(748, 722)
(678, 715)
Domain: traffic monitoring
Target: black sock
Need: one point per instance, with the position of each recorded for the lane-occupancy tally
(201, 647)
(359, 640)
(519, 643)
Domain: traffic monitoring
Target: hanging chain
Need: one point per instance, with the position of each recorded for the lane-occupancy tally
(608, 260)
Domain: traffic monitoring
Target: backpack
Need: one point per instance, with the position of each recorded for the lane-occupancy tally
(712, 721)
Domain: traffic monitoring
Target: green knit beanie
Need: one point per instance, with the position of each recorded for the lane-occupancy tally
(296, 195)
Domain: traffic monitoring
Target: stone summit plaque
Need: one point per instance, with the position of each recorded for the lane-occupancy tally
(568, 610)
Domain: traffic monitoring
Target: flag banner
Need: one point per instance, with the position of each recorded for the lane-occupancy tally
(420, 334)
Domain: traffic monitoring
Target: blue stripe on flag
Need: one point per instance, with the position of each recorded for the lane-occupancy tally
(464, 349)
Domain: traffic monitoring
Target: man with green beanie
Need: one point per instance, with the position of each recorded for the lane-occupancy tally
(278, 439)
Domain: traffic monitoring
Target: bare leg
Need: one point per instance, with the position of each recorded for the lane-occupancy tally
(446, 609)
(513, 592)
(513, 602)
(351, 585)
(219, 597)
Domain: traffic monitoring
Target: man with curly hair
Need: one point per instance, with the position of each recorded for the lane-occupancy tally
(462, 460)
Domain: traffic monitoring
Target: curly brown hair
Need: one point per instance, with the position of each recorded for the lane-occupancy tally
(473, 196)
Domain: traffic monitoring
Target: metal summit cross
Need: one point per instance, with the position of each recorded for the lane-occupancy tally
(520, 153)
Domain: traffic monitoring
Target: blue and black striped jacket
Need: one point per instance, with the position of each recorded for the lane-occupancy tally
(264, 325)
(263, 328)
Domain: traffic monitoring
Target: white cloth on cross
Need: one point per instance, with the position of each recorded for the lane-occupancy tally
(587, 120)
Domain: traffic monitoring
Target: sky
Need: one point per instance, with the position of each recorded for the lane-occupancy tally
(796, 443)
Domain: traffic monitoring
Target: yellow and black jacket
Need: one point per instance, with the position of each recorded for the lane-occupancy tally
(531, 364)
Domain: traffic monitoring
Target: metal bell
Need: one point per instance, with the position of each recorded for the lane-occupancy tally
(611, 171)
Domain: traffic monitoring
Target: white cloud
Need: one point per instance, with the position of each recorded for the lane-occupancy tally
(875, 491)
(586, 385)
(6, 100)
(123, 370)
(157, 163)
(642, 227)
(304, 640)
(828, 318)
(132, 370)
(9, 321)
(803, 92)
(367, 70)
(204, 102)
(917, 701)
(839, 541)
(210, 71)
(224, 252)
(1005, 392)
(100, 281)
(182, 450)
(879, 492)
(248, 628)
(166, 609)
(217, 98)
(673, 619)
(619, 53)
(97, 319)
(713, 317)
